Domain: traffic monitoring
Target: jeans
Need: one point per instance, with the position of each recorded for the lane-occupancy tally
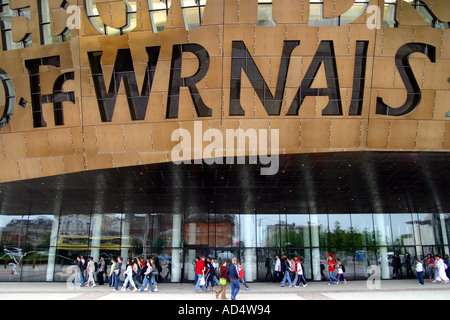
(129, 279)
(420, 277)
(111, 279)
(117, 281)
(147, 282)
(332, 277)
(288, 277)
(235, 287)
(79, 277)
(241, 280)
(199, 277)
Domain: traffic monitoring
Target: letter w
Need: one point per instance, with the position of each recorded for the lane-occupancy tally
(123, 70)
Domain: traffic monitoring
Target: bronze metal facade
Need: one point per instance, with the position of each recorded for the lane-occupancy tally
(110, 93)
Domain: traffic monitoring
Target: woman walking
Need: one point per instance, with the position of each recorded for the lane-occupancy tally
(129, 276)
(223, 281)
(90, 270)
(441, 275)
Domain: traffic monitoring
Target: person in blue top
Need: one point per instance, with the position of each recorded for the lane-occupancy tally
(233, 275)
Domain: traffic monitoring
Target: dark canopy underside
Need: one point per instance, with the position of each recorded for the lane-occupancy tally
(343, 182)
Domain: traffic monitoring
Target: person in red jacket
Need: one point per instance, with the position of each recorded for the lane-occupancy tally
(331, 265)
(200, 273)
(241, 277)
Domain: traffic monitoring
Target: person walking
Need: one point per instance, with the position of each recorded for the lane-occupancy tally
(216, 271)
(331, 266)
(154, 275)
(267, 265)
(90, 271)
(129, 276)
(117, 271)
(79, 276)
(341, 270)
(234, 279)
(148, 277)
(101, 271)
(277, 269)
(286, 269)
(300, 277)
(430, 262)
(241, 277)
(111, 272)
(447, 263)
(223, 281)
(419, 271)
(200, 274)
(441, 275)
(138, 270)
(209, 275)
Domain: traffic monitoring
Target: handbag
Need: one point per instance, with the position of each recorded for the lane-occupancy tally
(202, 281)
(223, 281)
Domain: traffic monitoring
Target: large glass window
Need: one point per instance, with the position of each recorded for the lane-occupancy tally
(268, 230)
(42, 247)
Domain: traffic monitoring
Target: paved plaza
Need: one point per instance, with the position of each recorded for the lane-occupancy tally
(353, 290)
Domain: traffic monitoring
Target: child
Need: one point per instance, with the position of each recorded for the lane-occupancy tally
(241, 276)
(300, 274)
(419, 271)
(341, 269)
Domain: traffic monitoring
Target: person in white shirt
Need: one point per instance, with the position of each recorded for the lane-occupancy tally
(419, 271)
(277, 269)
(340, 270)
(442, 276)
(300, 276)
(129, 276)
(90, 270)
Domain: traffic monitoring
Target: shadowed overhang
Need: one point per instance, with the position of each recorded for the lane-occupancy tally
(342, 182)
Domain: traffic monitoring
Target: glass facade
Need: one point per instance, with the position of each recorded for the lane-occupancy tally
(41, 247)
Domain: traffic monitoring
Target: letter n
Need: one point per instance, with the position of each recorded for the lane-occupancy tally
(325, 54)
(241, 60)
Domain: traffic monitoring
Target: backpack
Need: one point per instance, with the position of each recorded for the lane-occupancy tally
(343, 268)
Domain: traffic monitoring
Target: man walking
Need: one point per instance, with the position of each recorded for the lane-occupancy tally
(234, 279)
(200, 273)
(331, 265)
(277, 269)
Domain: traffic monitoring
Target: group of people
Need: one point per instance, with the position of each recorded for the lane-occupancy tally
(136, 271)
(290, 270)
(208, 274)
(438, 270)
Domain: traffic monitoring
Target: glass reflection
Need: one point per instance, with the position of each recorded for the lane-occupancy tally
(268, 230)
(42, 247)
(265, 17)
(193, 13)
